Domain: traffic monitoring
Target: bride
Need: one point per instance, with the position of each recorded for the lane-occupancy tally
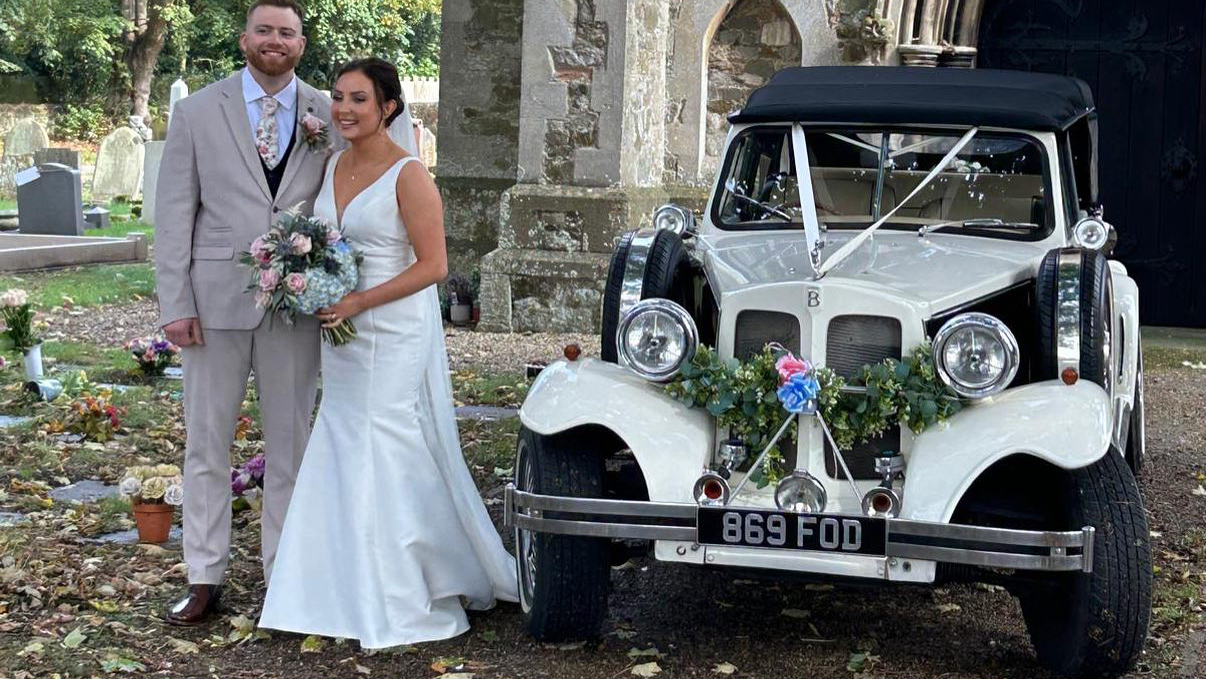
(386, 539)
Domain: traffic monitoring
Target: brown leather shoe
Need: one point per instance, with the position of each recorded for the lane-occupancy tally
(196, 607)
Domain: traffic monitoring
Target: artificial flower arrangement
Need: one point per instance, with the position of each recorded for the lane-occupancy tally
(153, 355)
(18, 319)
(153, 484)
(93, 417)
(749, 398)
(301, 265)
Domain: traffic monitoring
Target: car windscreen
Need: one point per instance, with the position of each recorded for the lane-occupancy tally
(859, 175)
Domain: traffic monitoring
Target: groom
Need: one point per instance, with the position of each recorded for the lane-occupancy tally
(236, 156)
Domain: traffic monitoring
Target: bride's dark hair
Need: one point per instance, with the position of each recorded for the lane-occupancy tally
(386, 84)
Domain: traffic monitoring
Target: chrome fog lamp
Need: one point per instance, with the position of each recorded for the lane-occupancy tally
(1091, 233)
(655, 338)
(674, 218)
(802, 493)
(976, 355)
(711, 490)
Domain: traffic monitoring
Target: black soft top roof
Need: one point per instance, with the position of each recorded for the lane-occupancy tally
(897, 95)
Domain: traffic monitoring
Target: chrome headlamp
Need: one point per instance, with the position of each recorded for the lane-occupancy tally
(1091, 233)
(673, 218)
(976, 355)
(655, 338)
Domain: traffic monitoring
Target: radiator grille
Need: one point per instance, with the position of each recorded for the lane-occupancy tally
(854, 341)
(755, 328)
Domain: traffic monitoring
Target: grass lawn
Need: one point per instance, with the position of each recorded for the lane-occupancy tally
(8, 205)
(85, 285)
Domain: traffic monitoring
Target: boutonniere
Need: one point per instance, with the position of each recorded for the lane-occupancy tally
(314, 131)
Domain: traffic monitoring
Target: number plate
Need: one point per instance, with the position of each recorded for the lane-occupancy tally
(785, 530)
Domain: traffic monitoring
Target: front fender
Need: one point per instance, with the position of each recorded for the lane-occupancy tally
(1068, 426)
(671, 442)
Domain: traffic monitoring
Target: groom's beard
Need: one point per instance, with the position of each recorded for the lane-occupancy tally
(274, 67)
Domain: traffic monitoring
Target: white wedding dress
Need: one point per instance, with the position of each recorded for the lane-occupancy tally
(386, 539)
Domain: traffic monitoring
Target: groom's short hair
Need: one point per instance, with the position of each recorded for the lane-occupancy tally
(287, 4)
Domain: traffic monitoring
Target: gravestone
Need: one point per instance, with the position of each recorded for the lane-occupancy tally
(179, 91)
(26, 138)
(68, 157)
(119, 165)
(150, 179)
(48, 201)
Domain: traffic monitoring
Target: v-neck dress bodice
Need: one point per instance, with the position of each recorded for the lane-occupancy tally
(386, 539)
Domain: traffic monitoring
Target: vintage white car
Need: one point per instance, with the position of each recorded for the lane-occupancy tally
(946, 208)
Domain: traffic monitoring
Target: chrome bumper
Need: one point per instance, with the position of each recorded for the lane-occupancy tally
(944, 542)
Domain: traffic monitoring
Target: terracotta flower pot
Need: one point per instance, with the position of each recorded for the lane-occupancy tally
(154, 521)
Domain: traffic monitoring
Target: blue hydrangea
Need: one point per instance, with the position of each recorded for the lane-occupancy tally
(324, 289)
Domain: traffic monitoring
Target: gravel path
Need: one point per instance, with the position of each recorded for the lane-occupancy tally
(112, 324)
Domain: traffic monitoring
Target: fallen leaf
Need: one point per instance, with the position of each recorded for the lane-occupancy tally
(312, 644)
(724, 668)
(32, 648)
(646, 669)
(443, 665)
(1199, 491)
(361, 669)
(74, 639)
(650, 652)
(183, 646)
(489, 636)
(860, 661)
(794, 613)
(948, 608)
(116, 663)
(813, 587)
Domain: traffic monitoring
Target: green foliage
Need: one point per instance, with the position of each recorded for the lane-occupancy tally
(75, 49)
(86, 122)
(743, 398)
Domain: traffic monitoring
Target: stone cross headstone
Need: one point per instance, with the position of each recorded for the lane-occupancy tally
(68, 157)
(150, 179)
(179, 91)
(119, 165)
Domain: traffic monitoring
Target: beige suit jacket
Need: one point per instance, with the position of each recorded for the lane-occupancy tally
(213, 200)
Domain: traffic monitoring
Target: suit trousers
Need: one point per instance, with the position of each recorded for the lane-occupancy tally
(286, 363)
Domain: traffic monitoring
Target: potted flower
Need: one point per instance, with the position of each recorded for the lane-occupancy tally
(18, 320)
(153, 355)
(153, 490)
(246, 482)
(460, 299)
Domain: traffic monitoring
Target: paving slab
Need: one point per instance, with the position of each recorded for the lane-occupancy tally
(130, 537)
(12, 518)
(486, 412)
(7, 421)
(83, 491)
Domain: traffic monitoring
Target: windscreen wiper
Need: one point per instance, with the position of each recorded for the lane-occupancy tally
(982, 223)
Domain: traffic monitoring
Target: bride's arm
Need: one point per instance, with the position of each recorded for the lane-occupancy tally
(423, 214)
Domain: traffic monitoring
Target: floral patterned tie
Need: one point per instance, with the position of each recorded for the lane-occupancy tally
(267, 136)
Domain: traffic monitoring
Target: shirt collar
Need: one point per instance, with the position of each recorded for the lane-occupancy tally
(252, 91)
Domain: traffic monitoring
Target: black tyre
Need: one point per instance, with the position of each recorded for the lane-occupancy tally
(1096, 323)
(665, 276)
(563, 579)
(1094, 624)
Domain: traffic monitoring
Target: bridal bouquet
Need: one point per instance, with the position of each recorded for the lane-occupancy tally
(300, 266)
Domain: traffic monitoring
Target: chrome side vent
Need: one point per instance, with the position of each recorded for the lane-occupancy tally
(854, 341)
(756, 328)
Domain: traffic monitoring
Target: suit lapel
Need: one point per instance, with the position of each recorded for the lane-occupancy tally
(307, 102)
(235, 110)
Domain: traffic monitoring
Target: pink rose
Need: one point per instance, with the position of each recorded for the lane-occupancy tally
(333, 236)
(149, 357)
(262, 299)
(269, 279)
(295, 282)
(311, 123)
(789, 365)
(301, 243)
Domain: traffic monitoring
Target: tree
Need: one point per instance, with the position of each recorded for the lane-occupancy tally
(145, 34)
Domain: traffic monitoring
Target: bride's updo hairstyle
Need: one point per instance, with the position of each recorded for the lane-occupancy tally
(386, 84)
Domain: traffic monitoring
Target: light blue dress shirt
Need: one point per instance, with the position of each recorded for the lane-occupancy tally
(286, 113)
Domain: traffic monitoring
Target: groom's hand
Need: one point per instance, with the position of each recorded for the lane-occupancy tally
(185, 332)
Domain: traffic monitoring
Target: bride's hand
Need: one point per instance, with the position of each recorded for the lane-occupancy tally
(345, 308)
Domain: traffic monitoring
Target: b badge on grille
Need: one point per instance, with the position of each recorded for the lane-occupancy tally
(812, 297)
